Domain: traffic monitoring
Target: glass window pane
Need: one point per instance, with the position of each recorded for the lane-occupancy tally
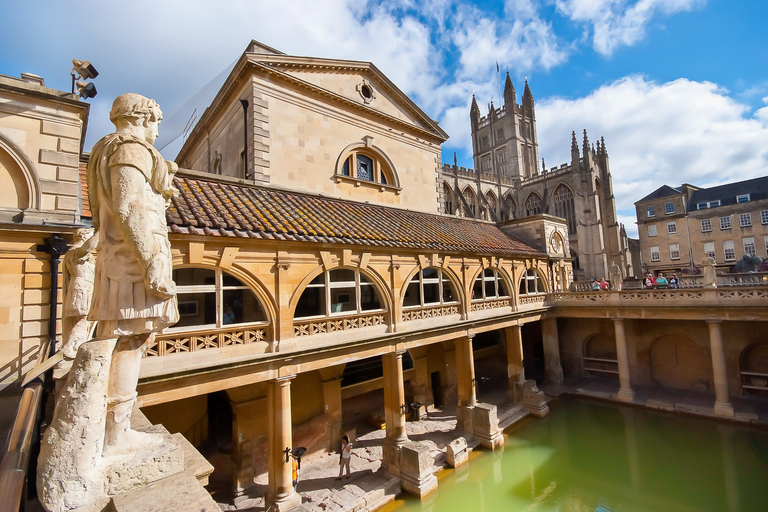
(431, 293)
(412, 295)
(539, 285)
(502, 288)
(196, 309)
(311, 302)
(345, 168)
(490, 289)
(320, 279)
(241, 306)
(449, 293)
(477, 289)
(194, 276)
(342, 275)
(364, 168)
(343, 299)
(523, 287)
(368, 298)
(429, 273)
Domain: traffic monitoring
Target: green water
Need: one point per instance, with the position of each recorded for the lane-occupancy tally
(587, 456)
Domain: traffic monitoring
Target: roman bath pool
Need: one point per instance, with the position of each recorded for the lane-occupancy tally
(590, 456)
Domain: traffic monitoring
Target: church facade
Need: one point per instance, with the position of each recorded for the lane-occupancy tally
(506, 183)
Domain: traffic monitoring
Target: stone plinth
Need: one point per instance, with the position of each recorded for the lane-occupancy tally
(533, 399)
(416, 469)
(456, 453)
(486, 424)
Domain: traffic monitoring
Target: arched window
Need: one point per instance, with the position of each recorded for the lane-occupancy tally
(533, 204)
(471, 199)
(361, 163)
(489, 285)
(563, 199)
(490, 198)
(448, 199)
(430, 287)
(338, 291)
(508, 208)
(531, 283)
(213, 298)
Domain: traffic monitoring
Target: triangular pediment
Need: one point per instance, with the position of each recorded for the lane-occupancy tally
(359, 85)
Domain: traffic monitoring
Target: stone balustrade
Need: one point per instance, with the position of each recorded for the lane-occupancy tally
(710, 297)
(335, 323)
(195, 341)
(420, 313)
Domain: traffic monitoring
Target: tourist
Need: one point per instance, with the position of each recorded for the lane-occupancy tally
(595, 285)
(674, 282)
(661, 281)
(604, 286)
(648, 282)
(229, 315)
(346, 455)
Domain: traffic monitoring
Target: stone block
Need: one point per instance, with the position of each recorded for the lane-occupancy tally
(59, 188)
(174, 494)
(486, 425)
(67, 203)
(55, 158)
(61, 130)
(456, 453)
(68, 174)
(69, 146)
(416, 469)
(534, 400)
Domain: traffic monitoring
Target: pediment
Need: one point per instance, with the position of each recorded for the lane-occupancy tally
(359, 85)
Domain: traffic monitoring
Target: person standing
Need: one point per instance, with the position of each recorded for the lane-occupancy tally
(346, 456)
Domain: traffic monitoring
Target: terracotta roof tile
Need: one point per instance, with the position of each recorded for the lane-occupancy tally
(223, 209)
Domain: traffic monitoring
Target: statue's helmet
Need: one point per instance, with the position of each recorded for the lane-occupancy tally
(134, 106)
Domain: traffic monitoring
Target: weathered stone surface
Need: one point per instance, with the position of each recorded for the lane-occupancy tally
(177, 493)
(456, 452)
(486, 424)
(533, 399)
(416, 469)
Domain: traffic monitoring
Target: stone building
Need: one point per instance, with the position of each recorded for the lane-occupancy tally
(319, 286)
(680, 226)
(507, 184)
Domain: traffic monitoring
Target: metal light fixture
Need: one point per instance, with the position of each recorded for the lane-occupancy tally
(85, 70)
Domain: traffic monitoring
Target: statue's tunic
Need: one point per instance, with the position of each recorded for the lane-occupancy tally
(79, 276)
(122, 305)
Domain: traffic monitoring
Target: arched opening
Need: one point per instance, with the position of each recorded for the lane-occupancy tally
(564, 206)
(447, 199)
(430, 287)
(489, 284)
(679, 362)
(533, 204)
(471, 198)
(599, 357)
(19, 183)
(532, 283)
(337, 292)
(490, 198)
(508, 208)
(490, 363)
(366, 164)
(754, 369)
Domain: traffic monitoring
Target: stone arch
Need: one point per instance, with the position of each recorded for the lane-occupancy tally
(471, 198)
(22, 174)
(254, 284)
(509, 207)
(754, 360)
(676, 361)
(492, 201)
(533, 204)
(505, 277)
(373, 152)
(600, 346)
(541, 275)
(455, 281)
(378, 281)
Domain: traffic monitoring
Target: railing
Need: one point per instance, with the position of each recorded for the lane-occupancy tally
(177, 343)
(532, 299)
(711, 296)
(482, 305)
(754, 381)
(335, 324)
(419, 313)
(599, 365)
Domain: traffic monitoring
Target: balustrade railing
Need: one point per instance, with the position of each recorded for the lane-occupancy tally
(532, 299)
(334, 323)
(419, 313)
(195, 341)
(482, 305)
(661, 297)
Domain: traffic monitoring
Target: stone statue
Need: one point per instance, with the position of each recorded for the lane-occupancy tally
(708, 272)
(90, 451)
(748, 264)
(615, 277)
(78, 272)
(534, 400)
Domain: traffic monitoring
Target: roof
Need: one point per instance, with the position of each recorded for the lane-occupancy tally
(214, 208)
(662, 191)
(756, 188)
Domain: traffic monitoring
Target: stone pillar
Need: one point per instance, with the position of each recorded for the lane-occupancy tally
(723, 406)
(552, 368)
(280, 493)
(626, 392)
(465, 376)
(515, 370)
(422, 392)
(394, 415)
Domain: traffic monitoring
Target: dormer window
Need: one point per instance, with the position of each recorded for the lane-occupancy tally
(743, 198)
(364, 164)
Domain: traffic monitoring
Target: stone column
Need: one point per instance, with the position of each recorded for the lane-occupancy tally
(280, 493)
(552, 368)
(394, 415)
(626, 392)
(515, 370)
(465, 376)
(723, 406)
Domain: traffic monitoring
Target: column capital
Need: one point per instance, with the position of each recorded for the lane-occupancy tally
(282, 381)
(717, 321)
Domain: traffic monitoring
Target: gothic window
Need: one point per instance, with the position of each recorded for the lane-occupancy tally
(489, 284)
(533, 204)
(509, 209)
(485, 163)
(491, 200)
(564, 207)
(531, 283)
(430, 287)
(448, 199)
(338, 291)
(213, 298)
(469, 196)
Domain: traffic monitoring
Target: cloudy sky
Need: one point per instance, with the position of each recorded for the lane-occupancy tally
(678, 88)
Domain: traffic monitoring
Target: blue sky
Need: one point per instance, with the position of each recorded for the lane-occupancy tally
(678, 88)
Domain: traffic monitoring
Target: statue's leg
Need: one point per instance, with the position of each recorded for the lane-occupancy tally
(121, 397)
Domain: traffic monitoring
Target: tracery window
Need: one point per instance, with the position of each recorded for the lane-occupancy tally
(448, 199)
(338, 291)
(531, 283)
(533, 205)
(213, 298)
(489, 284)
(471, 199)
(430, 287)
(564, 207)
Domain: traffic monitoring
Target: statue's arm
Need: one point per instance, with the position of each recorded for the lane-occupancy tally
(136, 224)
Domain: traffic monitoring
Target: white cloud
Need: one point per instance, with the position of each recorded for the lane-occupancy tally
(617, 23)
(656, 134)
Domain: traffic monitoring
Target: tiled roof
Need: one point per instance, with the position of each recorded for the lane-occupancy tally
(231, 210)
(662, 191)
(757, 189)
(84, 189)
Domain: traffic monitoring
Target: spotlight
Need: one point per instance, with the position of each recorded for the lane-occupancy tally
(86, 89)
(84, 69)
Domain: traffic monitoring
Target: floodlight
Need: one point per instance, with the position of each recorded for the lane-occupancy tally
(86, 89)
(84, 69)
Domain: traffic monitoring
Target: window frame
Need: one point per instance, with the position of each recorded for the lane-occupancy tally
(655, 251)
(495, 279)
(669, 208)
(650, 211)
(712, 254)
(441, 278)
(382, 167)
(708, 228)
(672, 252)
(672, 227)
(327, 285)
(764, 216)
(725, 223)
(728, 245)
(745, 220)
(532, 274)
(743, 198)
(746, 241)
(652, 227)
